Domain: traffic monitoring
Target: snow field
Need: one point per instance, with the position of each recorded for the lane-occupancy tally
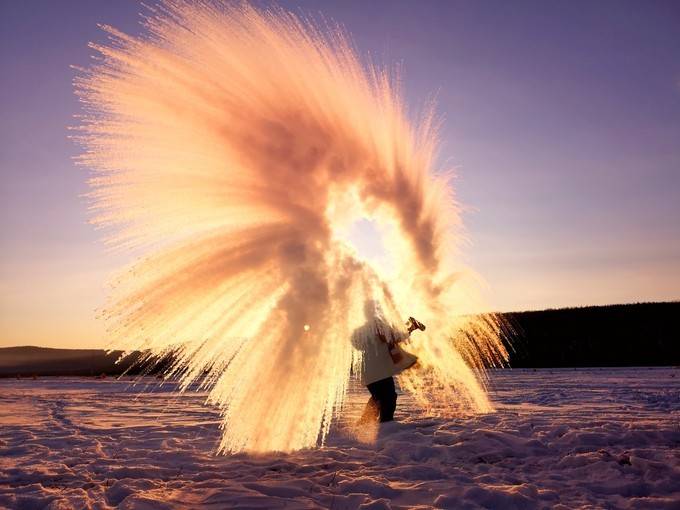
(585, 438)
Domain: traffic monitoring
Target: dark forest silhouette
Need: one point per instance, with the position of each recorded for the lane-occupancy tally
(642, 334)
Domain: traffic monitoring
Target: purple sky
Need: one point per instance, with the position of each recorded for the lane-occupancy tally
(562, 118)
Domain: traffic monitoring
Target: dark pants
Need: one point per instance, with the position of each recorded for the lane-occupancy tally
(382, 403)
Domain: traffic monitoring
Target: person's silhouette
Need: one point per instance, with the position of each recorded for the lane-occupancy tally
(381, 360)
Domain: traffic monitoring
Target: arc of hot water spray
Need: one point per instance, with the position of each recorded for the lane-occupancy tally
(227, 144)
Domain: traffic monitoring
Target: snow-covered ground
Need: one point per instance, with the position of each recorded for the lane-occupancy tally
(595, 438)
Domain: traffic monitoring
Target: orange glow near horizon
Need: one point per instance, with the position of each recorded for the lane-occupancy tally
(566, 204)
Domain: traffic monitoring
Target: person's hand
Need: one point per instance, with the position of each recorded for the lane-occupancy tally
(414, 324)
(410, 326)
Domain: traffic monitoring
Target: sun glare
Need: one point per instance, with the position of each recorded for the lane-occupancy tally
(366, 237)
(272, 180)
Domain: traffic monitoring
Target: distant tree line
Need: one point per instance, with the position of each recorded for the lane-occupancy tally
(642, 334)
(32, 361)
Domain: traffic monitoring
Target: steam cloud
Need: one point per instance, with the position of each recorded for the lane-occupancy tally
(230, 147)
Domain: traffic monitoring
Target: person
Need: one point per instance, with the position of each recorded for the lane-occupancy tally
(382, 359)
